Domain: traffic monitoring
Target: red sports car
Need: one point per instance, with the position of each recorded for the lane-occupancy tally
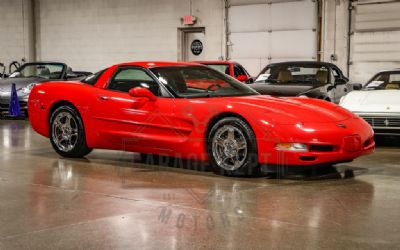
(191, 111)
(233, 69)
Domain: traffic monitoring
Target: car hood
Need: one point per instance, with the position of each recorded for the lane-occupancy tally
(370, 101)
(281, 89)
(294, 110)
(5, 84)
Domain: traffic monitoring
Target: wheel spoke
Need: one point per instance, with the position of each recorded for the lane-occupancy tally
(219, 142)
(68, 121)
(242, 144)
(224, 158)
(57, 123)
(231, 134)
(63, 139)
(235, 159)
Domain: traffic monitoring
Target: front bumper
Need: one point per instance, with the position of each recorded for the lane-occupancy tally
(328, 143)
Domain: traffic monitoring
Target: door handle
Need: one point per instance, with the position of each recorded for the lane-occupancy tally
(104, 98)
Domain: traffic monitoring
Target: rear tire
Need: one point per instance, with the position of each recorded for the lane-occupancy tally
(232, 148)
(67, 133)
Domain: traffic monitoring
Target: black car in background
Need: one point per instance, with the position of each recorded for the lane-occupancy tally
(304, 78)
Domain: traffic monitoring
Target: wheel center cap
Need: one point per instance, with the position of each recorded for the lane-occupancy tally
(230, 148)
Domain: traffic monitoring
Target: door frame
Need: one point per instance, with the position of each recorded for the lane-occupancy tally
(182, 32)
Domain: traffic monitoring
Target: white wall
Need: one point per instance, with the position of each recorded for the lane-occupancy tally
(90, 35)
(15, 30)
(335, 17)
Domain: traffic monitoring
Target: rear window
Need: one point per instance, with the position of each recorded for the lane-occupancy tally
(92, 79)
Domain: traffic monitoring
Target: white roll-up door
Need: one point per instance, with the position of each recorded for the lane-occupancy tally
(376, 42)
(265, 31)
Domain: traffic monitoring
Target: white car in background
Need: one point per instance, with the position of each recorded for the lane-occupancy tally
(378, 102)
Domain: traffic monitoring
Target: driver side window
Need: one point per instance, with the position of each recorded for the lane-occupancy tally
(127, 78)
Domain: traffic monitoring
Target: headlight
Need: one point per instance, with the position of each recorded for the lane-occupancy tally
(27, 89)
(303, 96)
(288, 146)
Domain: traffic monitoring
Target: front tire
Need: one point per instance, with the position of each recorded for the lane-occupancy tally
(232, 148)
(67, 133)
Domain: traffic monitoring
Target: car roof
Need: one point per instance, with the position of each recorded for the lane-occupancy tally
(153, 64)
(389, 71)
(303, 63)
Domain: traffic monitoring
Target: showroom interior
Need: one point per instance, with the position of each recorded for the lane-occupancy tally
(284, 135)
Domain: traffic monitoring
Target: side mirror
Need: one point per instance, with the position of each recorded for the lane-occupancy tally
(142, 92)
(242, 78)
(357, 86)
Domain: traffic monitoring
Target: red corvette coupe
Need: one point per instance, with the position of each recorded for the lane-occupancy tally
(191, 111)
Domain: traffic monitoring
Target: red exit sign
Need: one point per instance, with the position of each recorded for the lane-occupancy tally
(189, 20)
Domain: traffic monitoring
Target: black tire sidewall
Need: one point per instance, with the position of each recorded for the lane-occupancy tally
(80, 149)
(250, 166)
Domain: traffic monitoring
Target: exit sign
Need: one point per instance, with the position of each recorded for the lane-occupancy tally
(188, 20)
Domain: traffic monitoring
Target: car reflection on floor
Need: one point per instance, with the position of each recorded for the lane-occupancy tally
(112, 199)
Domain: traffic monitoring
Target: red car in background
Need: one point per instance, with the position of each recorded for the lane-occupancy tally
(231, 68)
(190, 111)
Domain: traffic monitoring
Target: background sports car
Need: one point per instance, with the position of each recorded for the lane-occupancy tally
(192, 111)
(29, 74)
(378, 103)
(312, 79)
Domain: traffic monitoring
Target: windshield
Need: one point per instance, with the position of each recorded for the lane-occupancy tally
(286, 73)
(385, 80)
(198, 81)
(223, 68)
(42, 70)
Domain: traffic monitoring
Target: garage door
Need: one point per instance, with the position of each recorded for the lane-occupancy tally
(261, 32)
(376, 41)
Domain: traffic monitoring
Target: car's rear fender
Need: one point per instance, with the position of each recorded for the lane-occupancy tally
(45, 98)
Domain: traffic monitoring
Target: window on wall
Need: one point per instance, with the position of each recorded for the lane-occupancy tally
(127, 78)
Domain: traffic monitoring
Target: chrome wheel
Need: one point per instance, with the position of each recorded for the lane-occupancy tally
(229, 147)
(65, 131)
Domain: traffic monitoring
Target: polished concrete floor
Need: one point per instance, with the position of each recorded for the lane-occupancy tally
(109, 201)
